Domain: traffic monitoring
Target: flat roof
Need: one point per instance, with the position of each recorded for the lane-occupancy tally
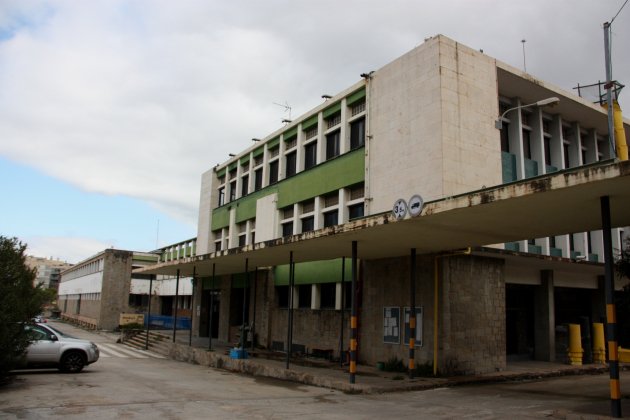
(563, 202)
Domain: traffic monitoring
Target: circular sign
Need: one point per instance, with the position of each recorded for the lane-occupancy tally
(415, 205)
(400, 209)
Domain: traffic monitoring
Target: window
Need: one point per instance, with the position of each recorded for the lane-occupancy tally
(357, 191)
(308, 206)
(327, 293)
(258, 160)
(310, 155)
(232, 190)
(333, 120)
(273, 172)
(311, 132)
(221, 196)
(527, 145)
(291, 160)
(547, 143)
(244, 185)
(282, 295)
(274, 152)
(308, 224)
(355, 211)
(332, 144)
(357, 134)
(287, 229)
(331, 199)
(331, 218)
(217, 246)
(565, 150)
(287, 212)
(290, 143)
(233, 173)
(358, 107)
(305, 292)
(505, 140)
(242, 240)
(347, 294)
(258, 179)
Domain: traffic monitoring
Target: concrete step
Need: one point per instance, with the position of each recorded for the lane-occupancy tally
(158, 343)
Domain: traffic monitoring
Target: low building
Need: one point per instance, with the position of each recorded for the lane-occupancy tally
(48, 271)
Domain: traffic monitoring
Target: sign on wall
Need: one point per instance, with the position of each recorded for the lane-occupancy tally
(418, 325)
(391, 325)
(126, 319)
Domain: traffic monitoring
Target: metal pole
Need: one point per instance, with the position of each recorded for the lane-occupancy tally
(412, 313)
(343, 308)
(176, 305)
(611, 312)
(353, 316)
(192, 306)
(290, 311)
(253, 326)
(609, 86)
(146, 343)
(243, 332)
(211, 308)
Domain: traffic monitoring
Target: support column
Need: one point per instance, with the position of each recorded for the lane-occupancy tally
(146, 343)
(353, 316)
(412, 313)
(544, 319)
(175, 308)
(253, 326)
(343, 308)
(243, 323)
(290, 312)
(192, 305)
(611, 312)
(211, 307)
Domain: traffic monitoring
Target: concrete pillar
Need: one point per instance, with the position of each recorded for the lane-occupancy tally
(544, 319)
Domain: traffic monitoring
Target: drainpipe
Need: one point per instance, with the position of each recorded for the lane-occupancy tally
(435, 303)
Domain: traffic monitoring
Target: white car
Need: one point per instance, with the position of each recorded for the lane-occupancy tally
(52, 348)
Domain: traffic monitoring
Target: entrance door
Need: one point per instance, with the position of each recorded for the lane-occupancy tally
(519, 321)
(204, 319)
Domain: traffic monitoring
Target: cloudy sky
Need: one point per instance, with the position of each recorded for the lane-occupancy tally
(110, 110)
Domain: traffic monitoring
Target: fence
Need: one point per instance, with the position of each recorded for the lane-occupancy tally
(166, 322)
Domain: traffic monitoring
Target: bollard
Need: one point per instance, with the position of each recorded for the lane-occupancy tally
(575, 345)
(599, 346)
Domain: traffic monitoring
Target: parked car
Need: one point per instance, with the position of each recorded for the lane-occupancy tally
(39, 319)
(52, 348)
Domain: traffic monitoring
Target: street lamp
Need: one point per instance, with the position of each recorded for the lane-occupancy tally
(543, 102)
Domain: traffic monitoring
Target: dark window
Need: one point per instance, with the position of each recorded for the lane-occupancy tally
(273, 172)
(282, 294)
(527, 145)
(242, 240)
(583, 157)
(308, 224)
(287, 229)
(552, 241)
(565, 150)
(232, 190)
(357, 133)
(291, 164)
(244, 185)
(331, 218)
(217, 246)
(221, 196)
(332, 144)
(547, 142)
(327, 292)
(355, 211)
(347, 295)
(505, 140)
(258, 175)
(304, 296)
(310, 155)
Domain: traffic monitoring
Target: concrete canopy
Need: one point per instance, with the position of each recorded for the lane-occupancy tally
(560, 203)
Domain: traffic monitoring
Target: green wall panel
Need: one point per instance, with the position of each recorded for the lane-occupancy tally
(220, 217)
(332, 110)
(345, 170)
(273, 143)
(246, 206)
(308, 123)
(287, 135)
(259, 151)
(355, 97)
(312, 272)
(221, 173)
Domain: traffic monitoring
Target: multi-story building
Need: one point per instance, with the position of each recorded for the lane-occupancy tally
(423, 124)
(96, 291)
(48, 270)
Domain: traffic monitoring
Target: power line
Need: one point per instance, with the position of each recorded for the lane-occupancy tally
(622, 6)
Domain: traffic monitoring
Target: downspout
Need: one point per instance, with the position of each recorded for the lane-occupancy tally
(467, 251)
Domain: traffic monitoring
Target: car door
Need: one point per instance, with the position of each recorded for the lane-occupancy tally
(44, 347)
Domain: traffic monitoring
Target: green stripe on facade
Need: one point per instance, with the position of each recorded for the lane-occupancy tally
(313, 272)
(332, 110)
(289, 134)
(246, 206)
(221, 217)
(343, 171)
(273, 143)
(259, 151)
(244, 159)
(355, 97)
(232, 166)
(221, 173)
(308, 123)
(145, 258)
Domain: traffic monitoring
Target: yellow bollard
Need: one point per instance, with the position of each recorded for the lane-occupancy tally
(575, 344)
(599, 343)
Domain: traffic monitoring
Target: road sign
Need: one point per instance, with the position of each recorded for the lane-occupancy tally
(415, 205)
(400, 209)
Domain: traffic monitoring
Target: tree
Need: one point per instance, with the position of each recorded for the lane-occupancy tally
(20, 301)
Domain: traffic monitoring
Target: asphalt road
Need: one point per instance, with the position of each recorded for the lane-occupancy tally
(139, 385)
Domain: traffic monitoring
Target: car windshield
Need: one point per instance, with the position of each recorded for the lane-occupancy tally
(59, 333)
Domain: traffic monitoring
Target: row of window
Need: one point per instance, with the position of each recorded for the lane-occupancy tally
(316, 296)
(83, 270)
(283, 158)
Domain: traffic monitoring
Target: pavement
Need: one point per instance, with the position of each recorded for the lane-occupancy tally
(328, 374)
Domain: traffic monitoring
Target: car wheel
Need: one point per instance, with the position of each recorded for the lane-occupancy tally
(72, 362)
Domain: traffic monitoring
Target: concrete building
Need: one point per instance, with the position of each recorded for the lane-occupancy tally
(48, 270)
(422, 125)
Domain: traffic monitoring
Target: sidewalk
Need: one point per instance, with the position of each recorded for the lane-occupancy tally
(369, 380)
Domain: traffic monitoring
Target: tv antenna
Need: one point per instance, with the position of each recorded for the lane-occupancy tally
(287, 108)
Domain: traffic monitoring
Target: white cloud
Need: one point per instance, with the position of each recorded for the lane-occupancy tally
(140, 97)
(68, 249)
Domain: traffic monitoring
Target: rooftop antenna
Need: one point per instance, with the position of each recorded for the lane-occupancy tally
(286, 107)
(523, 41)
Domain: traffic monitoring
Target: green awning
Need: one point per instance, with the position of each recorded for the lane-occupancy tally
(332, 110)
(289, 134)
(355, 97)
(306, 124)
(232, 166)
(314, 272)
(221, 173)
(242, 161)
(273, 143)
(259, 151)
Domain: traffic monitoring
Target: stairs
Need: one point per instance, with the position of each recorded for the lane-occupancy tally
(158, 343)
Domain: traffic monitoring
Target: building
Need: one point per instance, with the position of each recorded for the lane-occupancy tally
(48, 270)
(96, 291)
(423, 125)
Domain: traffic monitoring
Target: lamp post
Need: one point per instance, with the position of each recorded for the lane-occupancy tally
(543, 102)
